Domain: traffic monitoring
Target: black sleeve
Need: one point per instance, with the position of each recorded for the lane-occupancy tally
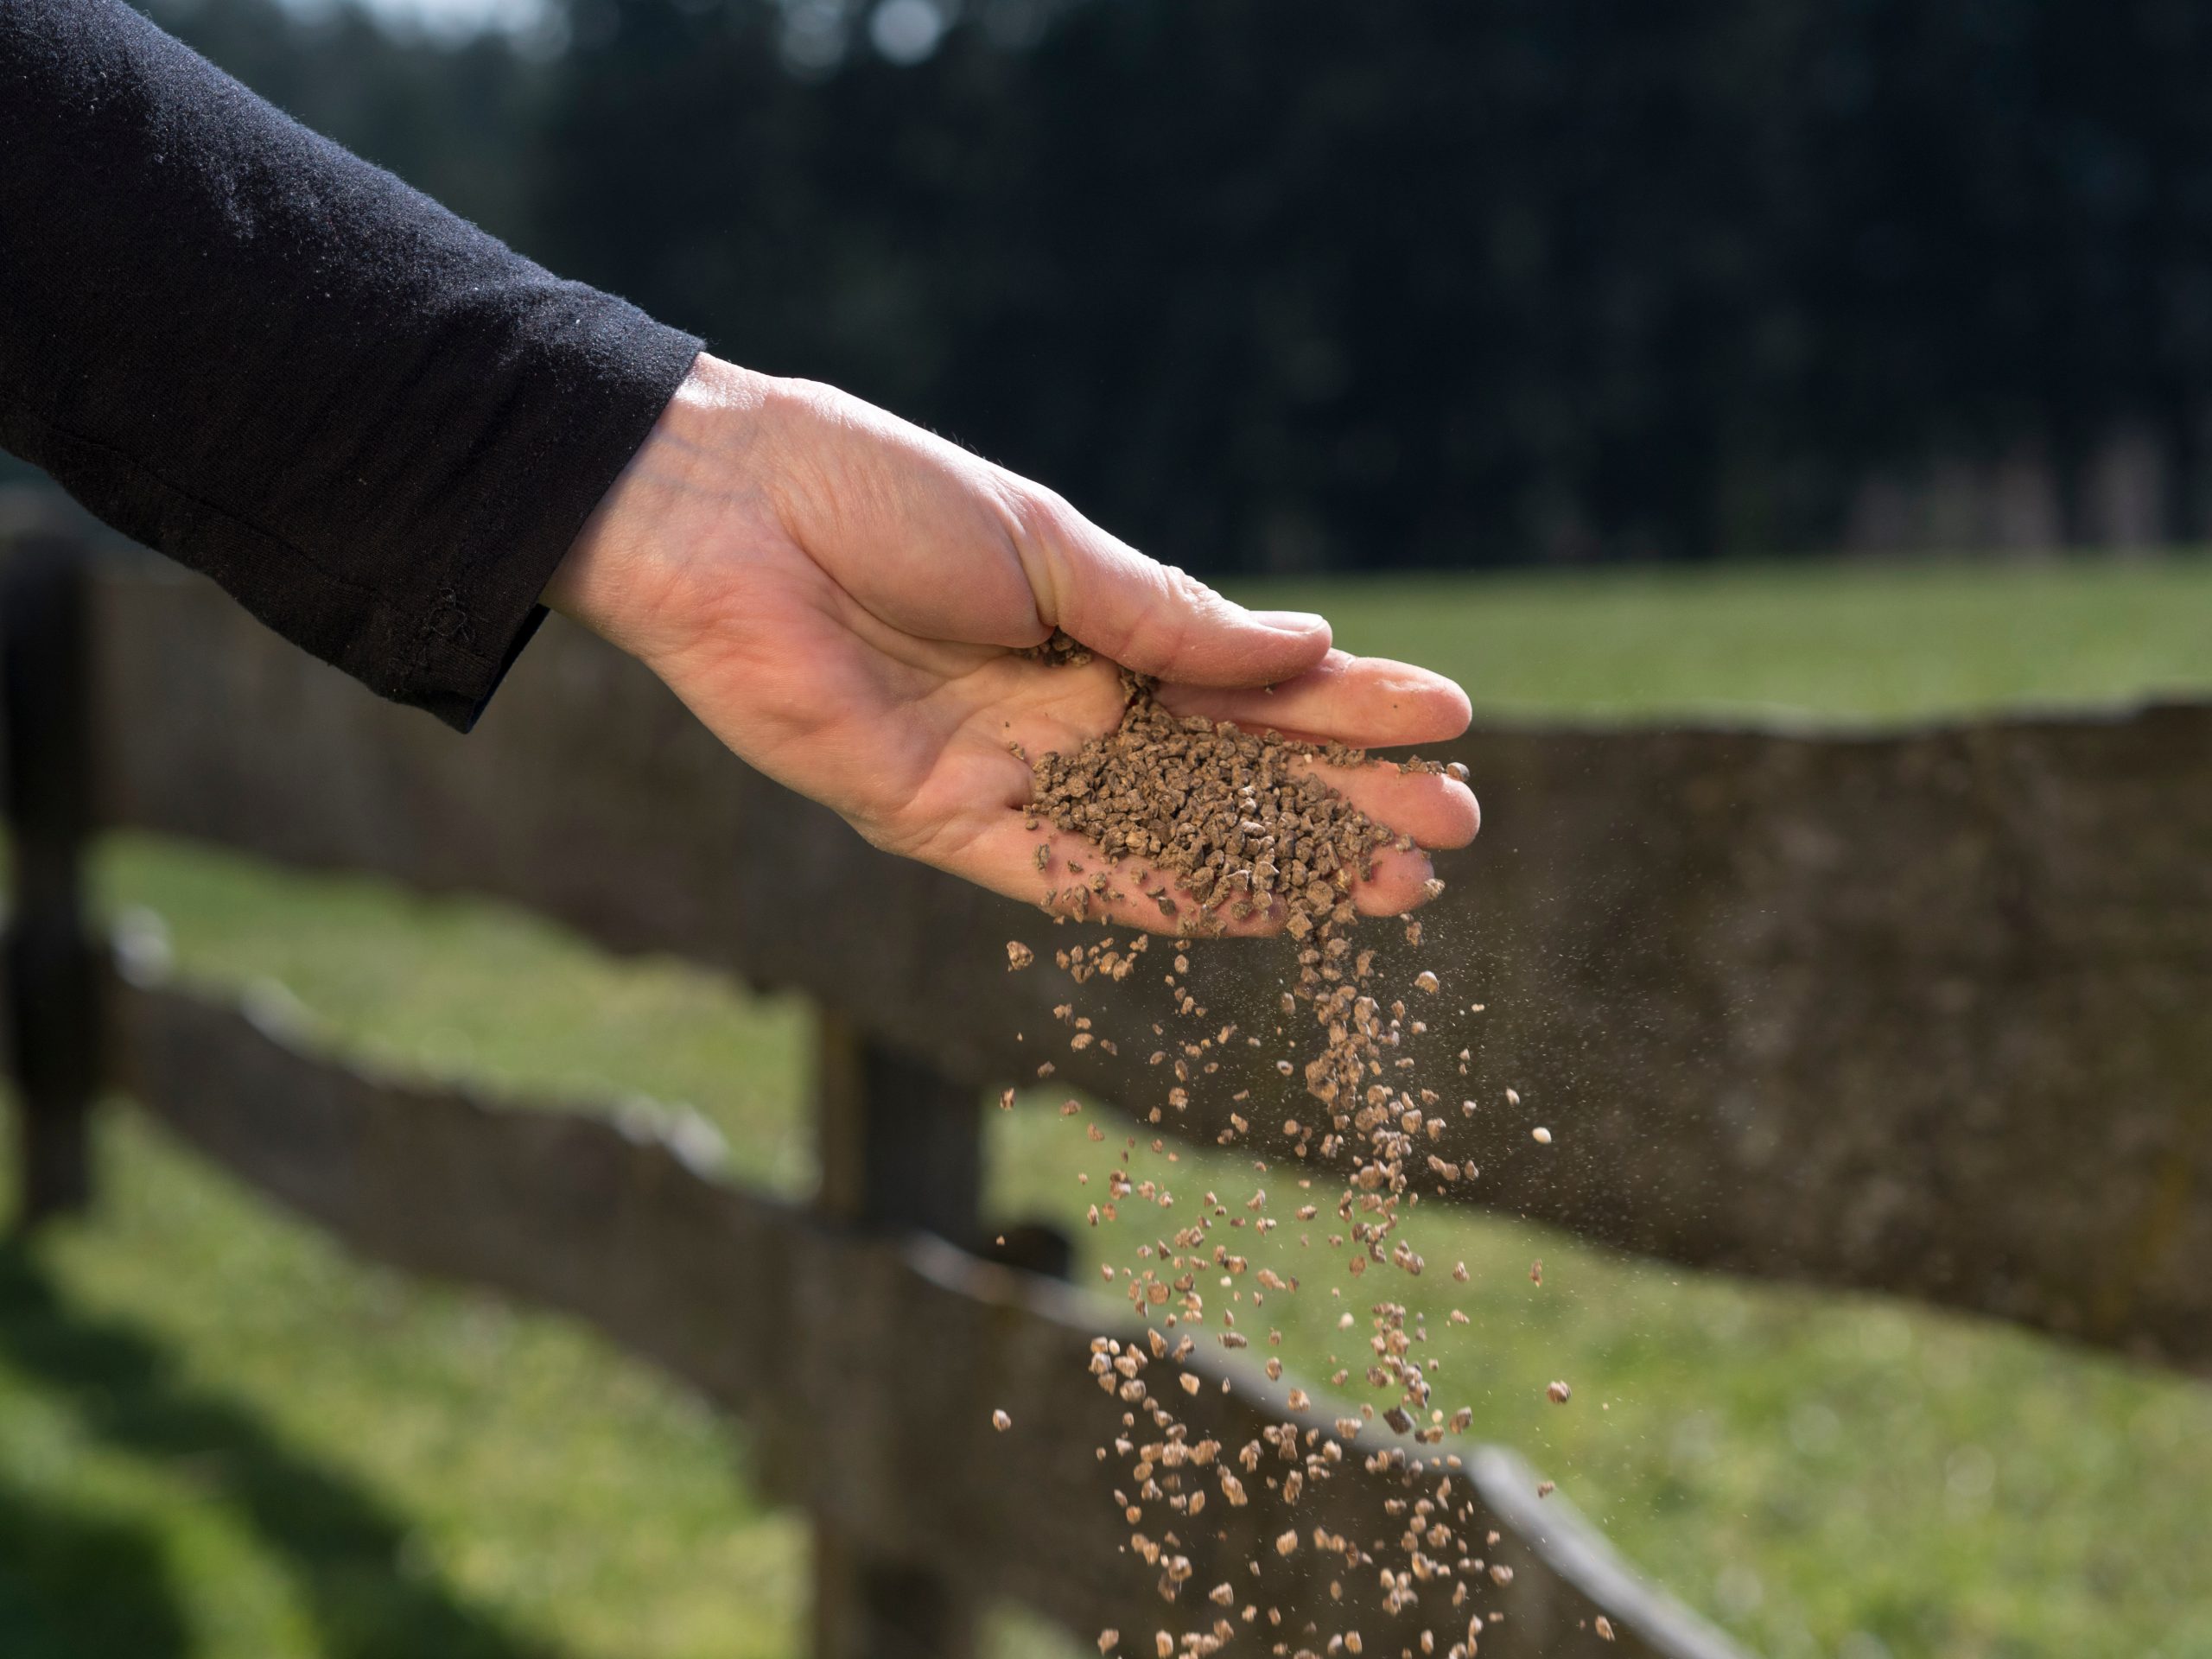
(375, 425)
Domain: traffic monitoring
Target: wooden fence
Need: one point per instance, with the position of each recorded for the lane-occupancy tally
(1919, 1013)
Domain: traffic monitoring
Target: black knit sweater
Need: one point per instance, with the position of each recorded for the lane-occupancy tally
(375, 426)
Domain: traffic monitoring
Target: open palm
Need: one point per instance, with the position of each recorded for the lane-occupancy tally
(850, 603)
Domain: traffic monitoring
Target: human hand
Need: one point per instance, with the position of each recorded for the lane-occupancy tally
(845, 600)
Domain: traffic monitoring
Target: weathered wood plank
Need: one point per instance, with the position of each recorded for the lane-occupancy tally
(1920, 1012)
(867, 1367)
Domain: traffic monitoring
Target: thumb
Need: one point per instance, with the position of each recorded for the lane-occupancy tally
(1160, 620)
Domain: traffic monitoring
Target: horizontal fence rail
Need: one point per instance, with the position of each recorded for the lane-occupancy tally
(1920, 1012)
(868, 1366)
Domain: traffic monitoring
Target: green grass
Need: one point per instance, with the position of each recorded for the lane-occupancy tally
(211, 1380)
(219, 1437)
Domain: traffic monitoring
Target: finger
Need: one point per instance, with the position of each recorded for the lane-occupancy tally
(1155, 619)
(1400, 883)
(1434, 808)
(1369, 702)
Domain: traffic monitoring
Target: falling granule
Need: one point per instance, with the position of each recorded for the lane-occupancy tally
(1211, 827)
(1109, 1639)
(1604, 1628)
(1513, 1096)
(1545, 1488)
(1000, 1421)
(1559, 1393)
(1018, 956)
(1540, 1136)
(1536, 1271)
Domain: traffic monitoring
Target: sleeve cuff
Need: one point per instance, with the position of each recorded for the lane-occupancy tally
(583, 421)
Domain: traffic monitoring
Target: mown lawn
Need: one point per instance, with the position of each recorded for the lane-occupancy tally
(219, 1437)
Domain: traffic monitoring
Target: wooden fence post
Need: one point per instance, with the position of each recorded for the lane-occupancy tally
(902, 1149)
(53, 961)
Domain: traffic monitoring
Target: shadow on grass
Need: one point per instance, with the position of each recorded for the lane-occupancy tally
(74, 1585)
(345, 1552)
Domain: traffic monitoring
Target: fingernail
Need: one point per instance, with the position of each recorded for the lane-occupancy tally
(1291, 621)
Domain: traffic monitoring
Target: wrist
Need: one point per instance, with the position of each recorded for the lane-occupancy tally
(632, 574)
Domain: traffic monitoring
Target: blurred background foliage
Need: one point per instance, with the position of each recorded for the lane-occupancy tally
(1292, 285)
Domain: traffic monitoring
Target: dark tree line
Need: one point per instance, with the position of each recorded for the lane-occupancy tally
(1289, 282)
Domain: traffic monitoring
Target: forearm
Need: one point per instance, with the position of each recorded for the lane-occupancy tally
(375, 426)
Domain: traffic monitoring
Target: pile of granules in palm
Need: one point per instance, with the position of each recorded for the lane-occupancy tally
(1236, 822)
